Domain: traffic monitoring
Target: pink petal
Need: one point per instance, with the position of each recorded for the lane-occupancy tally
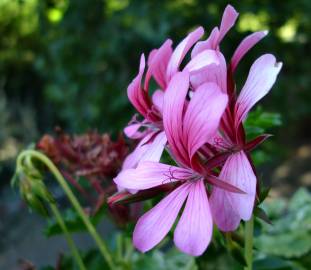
(155, 148)
(154, 225)
(210, 43)
(195, 227)
(173, 106)
(203, 116)
(261, 78)
(202, 60)
(135, 93)
(224, 212)
(246, 44)
(136, 156)
(228, 19)
(157, 100)
(227, 207)
(151, 55)
(132, 131)
(212, 73)
(150, 174)
(158, 64)
(181, 50)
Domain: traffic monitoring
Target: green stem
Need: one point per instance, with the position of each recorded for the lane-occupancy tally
(249, 231)
(53, 169)
(70, 242)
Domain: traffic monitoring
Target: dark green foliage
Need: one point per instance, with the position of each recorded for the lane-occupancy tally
(79, 56)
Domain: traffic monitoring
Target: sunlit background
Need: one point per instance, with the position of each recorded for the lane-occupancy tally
(68, 63)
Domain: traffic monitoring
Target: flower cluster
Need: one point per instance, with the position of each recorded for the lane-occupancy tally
(197, 116)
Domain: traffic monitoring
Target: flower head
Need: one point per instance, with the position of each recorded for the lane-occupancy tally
(202, 128)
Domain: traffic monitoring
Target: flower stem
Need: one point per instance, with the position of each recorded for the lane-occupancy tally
(75, 203)
(248, 252)
(72, 246)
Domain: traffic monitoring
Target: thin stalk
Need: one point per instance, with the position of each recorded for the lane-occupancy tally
(248, 252)
(71, 244)
(75, 203)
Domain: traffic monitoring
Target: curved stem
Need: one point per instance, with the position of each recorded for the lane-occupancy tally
(249, 231)
(53, 169)
(70, 242)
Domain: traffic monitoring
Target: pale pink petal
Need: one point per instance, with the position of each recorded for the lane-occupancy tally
(202, 60)
(228, 19)
(157, 100)
(261, 78)
(195, 227)
(154, 225)
(155, 148)
(212, 73)
(224, 211)
(246, 44)
(181, 50)
(158, 65)
(173, 106)
(150, 174)
(135, 92)
(203, 116)
(233, 206)
(210, 43)
(133, 158)
(132, 131)
(148, 149)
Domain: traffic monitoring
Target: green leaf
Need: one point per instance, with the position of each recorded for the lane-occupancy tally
(275, 263)
(288, 245)
(170, 260)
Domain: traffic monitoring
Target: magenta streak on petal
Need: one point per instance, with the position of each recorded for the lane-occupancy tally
(195, 227)
(246, 44)
(173, 106)
(203, 116)
(154, 225)
(158, 65)
(135, 93)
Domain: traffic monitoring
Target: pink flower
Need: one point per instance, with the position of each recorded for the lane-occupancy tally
(188, 126)
(198, 117)
(163, 63)
(229, 208)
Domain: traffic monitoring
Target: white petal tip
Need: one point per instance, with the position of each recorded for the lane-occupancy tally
(278, 65)
(265, 32)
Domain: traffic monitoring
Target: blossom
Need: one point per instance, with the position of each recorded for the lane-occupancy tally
(229, 208)
(188, 125)
(163, 63)
(201, 121)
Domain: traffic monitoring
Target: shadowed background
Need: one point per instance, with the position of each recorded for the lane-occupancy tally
(68, 63)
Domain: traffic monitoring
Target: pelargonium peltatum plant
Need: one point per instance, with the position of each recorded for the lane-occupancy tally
(197, 115)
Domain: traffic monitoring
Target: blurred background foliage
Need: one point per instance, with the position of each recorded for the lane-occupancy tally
(69, 63)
